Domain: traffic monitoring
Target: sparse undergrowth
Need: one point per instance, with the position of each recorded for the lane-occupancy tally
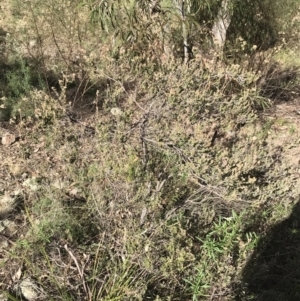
(136, 179)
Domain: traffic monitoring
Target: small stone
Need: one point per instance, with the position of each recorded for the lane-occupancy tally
(116, 111)
(10, 227)
(24, 175)
(3, 245)
(74, 191)
(7, 204)
(3, 297)
(31, 184)
(29, 289)
(8, 139)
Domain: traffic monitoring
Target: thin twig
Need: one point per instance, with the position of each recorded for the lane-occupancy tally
(81, 272)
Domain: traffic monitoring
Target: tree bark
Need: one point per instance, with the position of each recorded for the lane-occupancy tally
(183, 9)
(221, 25)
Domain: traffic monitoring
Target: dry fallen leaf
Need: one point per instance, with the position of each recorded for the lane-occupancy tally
(73, 191)
(59, 184)
(17, 275)
(143, 216)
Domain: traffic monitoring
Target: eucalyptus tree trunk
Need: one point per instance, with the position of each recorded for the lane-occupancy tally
(221, 25)
(183, 10)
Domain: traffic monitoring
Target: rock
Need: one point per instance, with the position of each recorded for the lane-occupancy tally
(31, 183)
(116, 111)
(8, 227)
(7, 204)
(3, 297)
(29, 289)
(3, 245)
(8, 139)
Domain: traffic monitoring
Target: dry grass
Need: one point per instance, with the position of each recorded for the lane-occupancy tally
(133, 179)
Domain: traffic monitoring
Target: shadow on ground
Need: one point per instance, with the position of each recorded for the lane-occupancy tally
(273, 272)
